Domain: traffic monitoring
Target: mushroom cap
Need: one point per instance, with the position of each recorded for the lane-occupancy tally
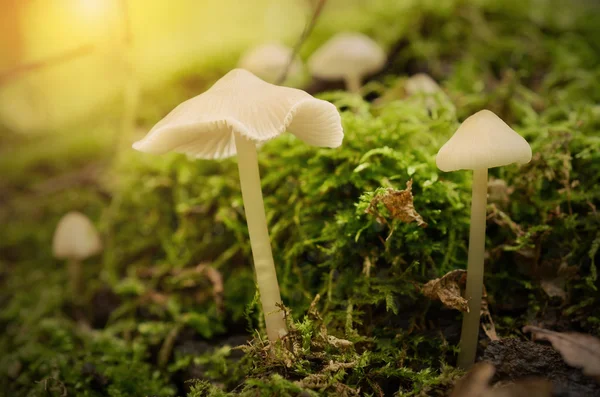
(347, 54)
(269, 61)
(421, 83)
(483, 140)
(204, 126)
(75, 237)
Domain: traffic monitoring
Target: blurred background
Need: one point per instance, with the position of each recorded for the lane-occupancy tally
(64, 61)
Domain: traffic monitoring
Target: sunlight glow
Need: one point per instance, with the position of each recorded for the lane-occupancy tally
(93, 9)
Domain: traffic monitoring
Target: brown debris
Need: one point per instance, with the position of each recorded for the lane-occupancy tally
(487, 323)
(447, 289)
(578, 350)
(216, 279)
(554, 288)
(399, 203)
(339, 343)
(476, 383)
(523, 388)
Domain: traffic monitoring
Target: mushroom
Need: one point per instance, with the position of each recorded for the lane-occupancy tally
(270, 61)
(238, 112)
(421, 83)
(347, 56)
(75, 239)
(482, 141)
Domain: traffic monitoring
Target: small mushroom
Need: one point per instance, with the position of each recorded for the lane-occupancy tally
(499, 192)
(238, 112)
(421, 83)
(75, 239)
(347, 56)
(270, 61)
(482, 141)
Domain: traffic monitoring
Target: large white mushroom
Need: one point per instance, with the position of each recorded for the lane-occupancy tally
(270, 61)
(75, 239)
(349, 57)
(238, 112)
(482, 141)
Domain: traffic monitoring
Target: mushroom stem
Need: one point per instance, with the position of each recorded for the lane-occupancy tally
(75, 278)
(353, 83)
(470, 327)
(266, 276)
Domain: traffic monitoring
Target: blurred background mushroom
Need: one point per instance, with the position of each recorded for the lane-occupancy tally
(75, 240)
(421, 83)
(347, 56)
(270, 62)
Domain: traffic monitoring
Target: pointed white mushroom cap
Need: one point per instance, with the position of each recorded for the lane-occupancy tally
(204, 126)
(75, 237)
(483, 141)
(421, 83)
(347, 54)
(269, 61)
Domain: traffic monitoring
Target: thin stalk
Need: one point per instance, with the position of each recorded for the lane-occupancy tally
(470, 327)
(308, 28)
(266, 277)
(75, 279)
(353, 83)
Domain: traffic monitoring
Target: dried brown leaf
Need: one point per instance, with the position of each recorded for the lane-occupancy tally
(554, 288)
(447, 289)
(578, 350)
(523, 388)
(399, 203)
(476, 383)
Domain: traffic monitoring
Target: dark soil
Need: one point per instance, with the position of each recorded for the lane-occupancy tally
(517, 359)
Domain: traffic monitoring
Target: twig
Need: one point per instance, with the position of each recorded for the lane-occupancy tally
(308, 28)
(131, 89)
(167, 346)
(51, 61)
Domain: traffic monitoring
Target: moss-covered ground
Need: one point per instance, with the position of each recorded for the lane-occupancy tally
(155, 319)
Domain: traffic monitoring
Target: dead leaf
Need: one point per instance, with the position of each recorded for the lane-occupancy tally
(578, 350)
(523, 388)
(399, 203)
(554, 288)
(447, 289)
(476, 383)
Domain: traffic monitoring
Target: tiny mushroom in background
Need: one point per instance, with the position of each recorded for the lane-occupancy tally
(421, 83)
(482, 141)
(347, 56)
(270, 61)
(75, 239)
(238, 112)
